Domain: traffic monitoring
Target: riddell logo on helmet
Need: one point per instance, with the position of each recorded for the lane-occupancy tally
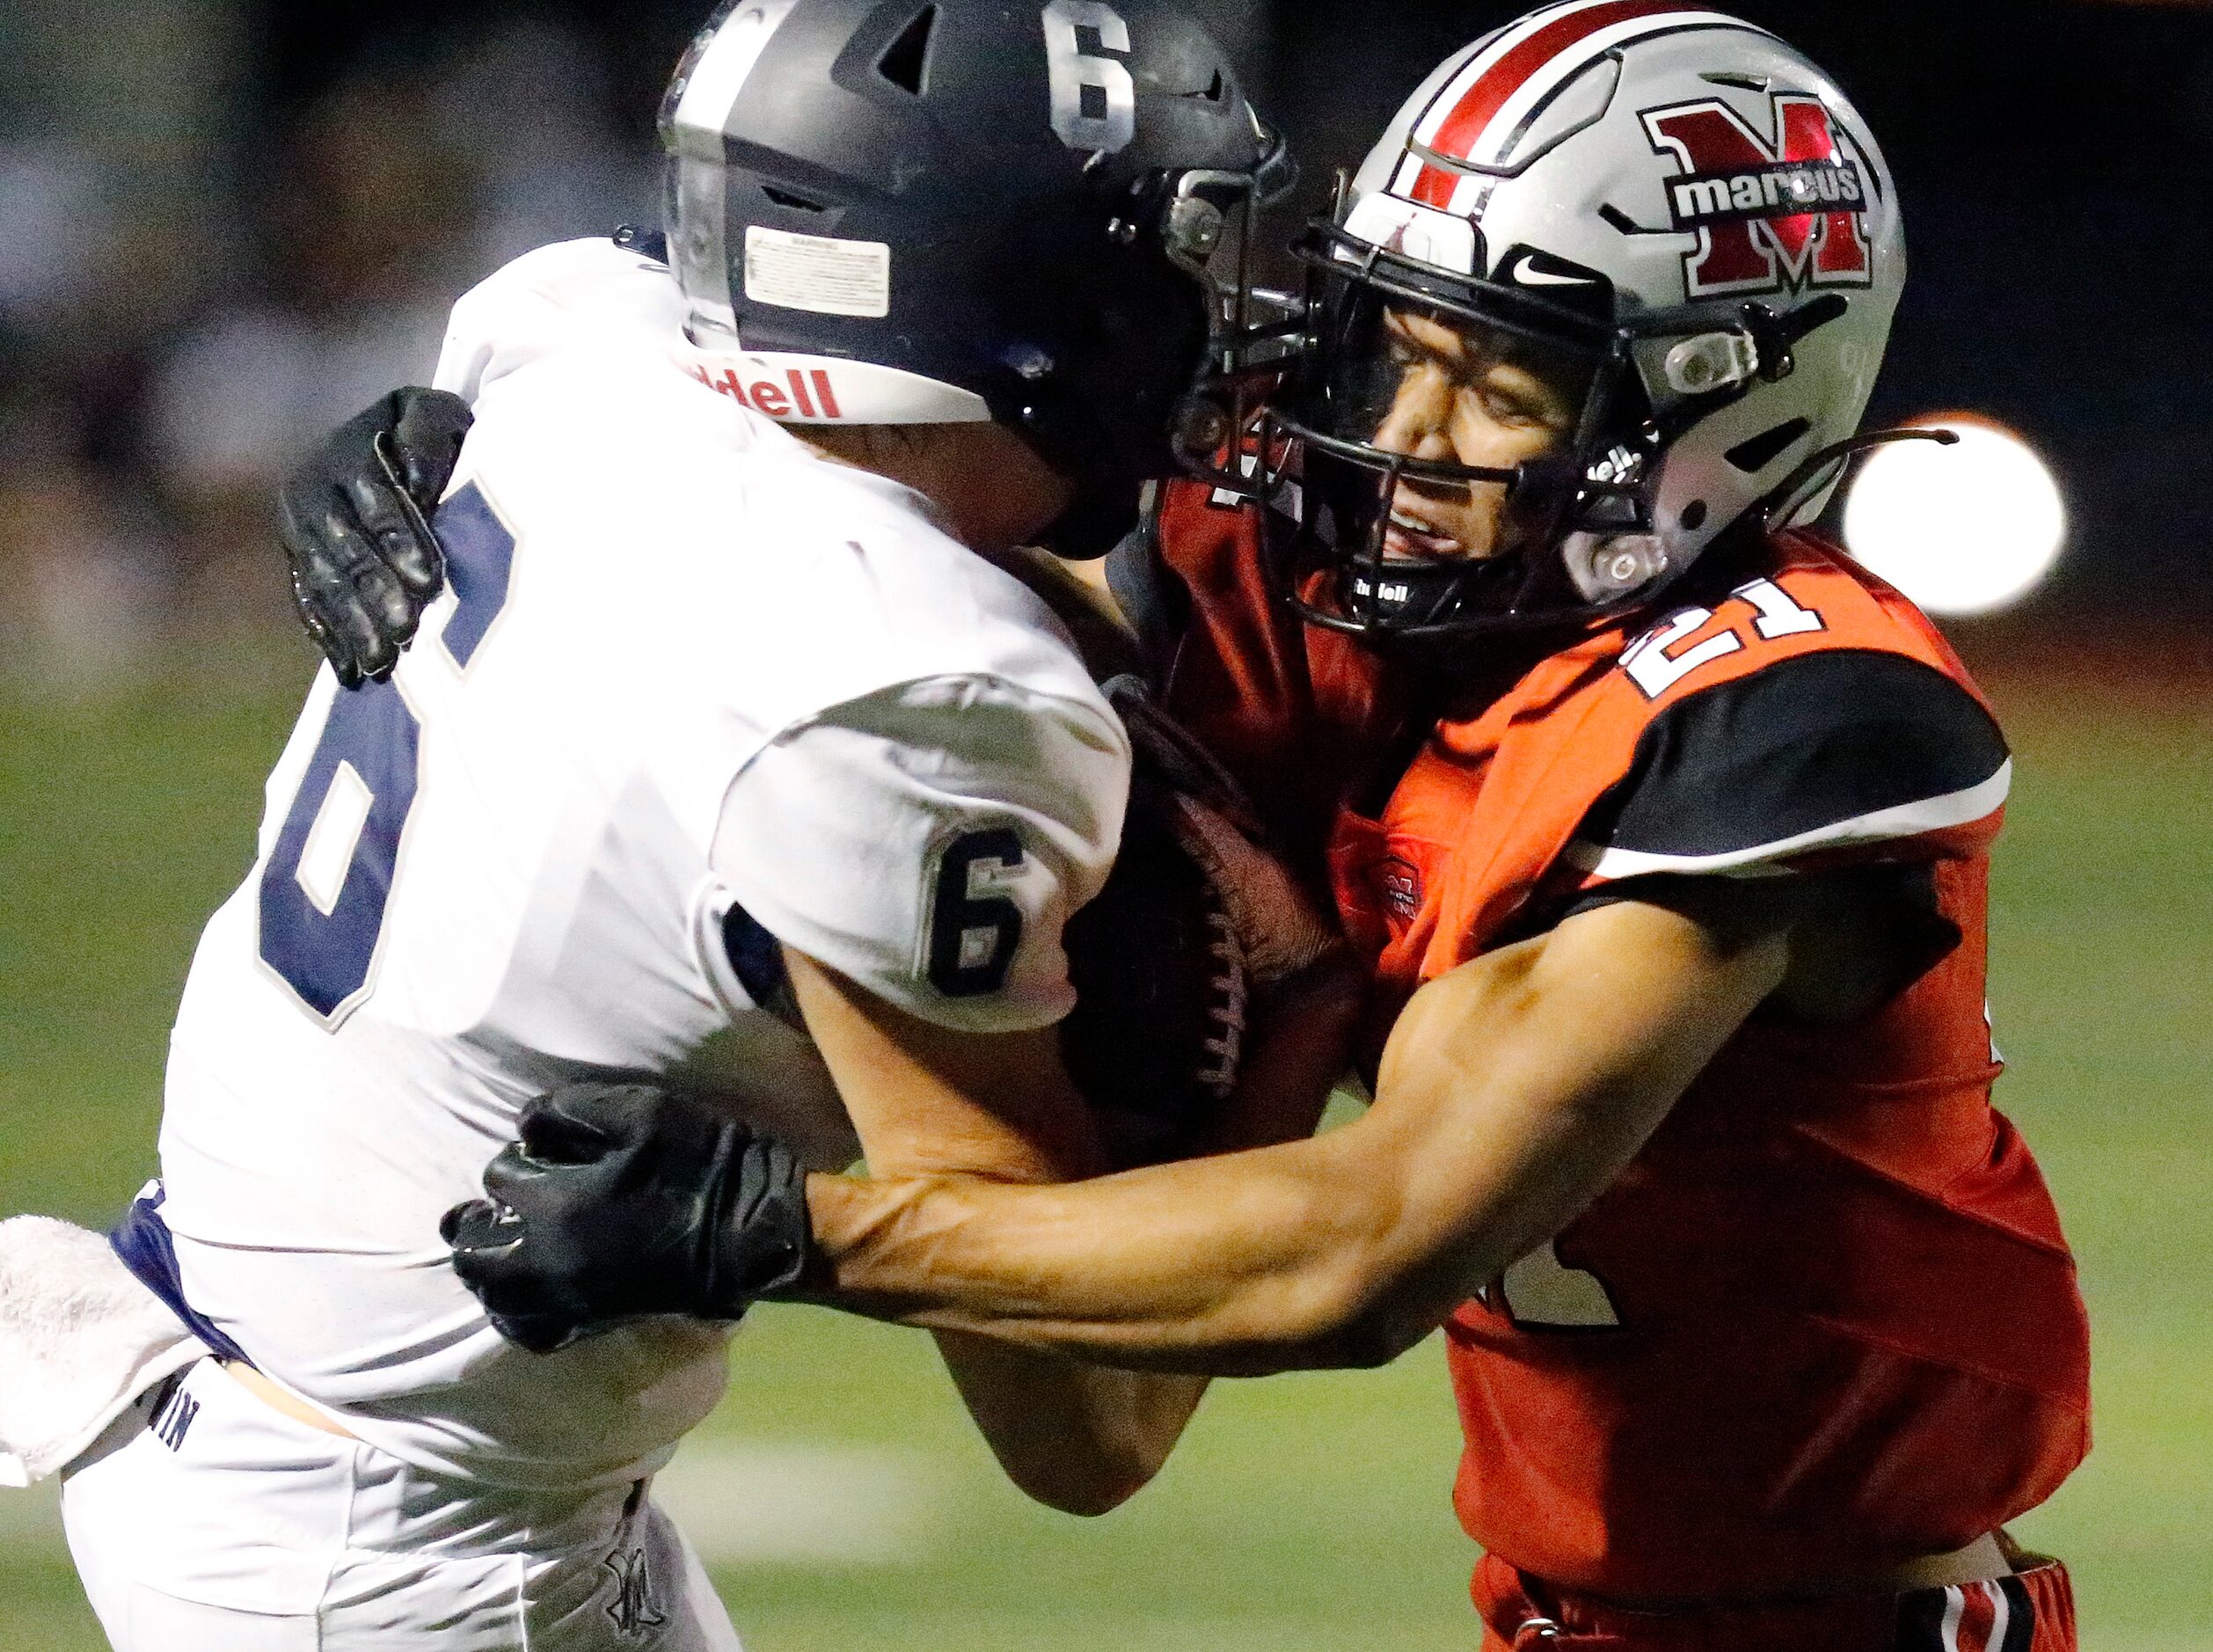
(1770, 216)
(809, 395)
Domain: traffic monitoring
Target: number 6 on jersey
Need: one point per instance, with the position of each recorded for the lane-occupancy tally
(975, 928)
(323, 893)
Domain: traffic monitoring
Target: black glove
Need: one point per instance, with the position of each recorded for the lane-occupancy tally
(621, 1201)
(356, 522)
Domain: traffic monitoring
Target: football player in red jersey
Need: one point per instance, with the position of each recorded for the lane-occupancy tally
(1665, 829)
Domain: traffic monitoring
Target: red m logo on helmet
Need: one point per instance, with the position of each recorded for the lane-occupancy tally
(1768, 216)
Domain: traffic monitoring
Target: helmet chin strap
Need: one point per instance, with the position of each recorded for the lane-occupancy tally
(1401, 594)
(1607, 568)
(1823, 469)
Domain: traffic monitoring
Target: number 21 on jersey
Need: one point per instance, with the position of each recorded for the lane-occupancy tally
(328, 880)
(1668, 653)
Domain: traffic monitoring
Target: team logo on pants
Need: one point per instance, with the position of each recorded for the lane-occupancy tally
(173, 1414)
(1993, 1616)
(634, 1608)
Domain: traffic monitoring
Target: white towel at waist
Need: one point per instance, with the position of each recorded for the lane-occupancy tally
(80, 1339)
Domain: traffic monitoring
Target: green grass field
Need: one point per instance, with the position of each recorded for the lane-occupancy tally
(1306, 1512)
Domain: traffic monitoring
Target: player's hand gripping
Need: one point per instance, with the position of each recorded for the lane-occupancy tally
(621, 1201)
(356, 522)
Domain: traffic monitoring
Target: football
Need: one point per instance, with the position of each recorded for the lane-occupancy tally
(1157, 1035)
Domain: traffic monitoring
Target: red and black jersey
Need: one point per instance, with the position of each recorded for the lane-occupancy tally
(1290, 710)
(1826, 1322)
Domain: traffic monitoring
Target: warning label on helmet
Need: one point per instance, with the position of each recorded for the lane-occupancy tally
(817, 273)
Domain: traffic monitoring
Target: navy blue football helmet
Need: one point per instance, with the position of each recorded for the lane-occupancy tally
(926, 211)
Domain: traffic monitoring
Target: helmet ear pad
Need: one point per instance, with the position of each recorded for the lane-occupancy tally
(1097, 396)
(1102, 414)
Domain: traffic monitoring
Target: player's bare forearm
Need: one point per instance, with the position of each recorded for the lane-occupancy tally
(998, 1109)
(1300, 1040)
(1079, 1437)
(1126, 1270)
(1514, 1090)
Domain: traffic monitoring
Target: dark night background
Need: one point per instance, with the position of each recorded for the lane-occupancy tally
(233, 222)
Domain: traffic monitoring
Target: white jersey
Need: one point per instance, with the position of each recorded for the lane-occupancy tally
(693, 688)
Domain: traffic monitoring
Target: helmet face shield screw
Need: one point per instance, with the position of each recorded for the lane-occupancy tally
(1201, 426)
(1193, 229)
(1710, 362)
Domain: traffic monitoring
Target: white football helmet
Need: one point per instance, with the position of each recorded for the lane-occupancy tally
(1673, 199)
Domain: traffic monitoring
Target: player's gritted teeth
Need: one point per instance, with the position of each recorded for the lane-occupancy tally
(1412, 539)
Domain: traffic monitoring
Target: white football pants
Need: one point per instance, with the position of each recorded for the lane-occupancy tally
(205, 1521)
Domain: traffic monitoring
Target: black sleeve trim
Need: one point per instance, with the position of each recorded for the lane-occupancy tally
(754, 955)
(1866, 933)
(1811, 743)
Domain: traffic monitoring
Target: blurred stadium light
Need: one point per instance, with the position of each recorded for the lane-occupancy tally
(1967, 529)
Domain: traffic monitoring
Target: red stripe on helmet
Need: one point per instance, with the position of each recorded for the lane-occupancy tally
(1434, 187)
(1482, 101)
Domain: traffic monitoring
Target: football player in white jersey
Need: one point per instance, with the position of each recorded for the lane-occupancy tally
(723, 731)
